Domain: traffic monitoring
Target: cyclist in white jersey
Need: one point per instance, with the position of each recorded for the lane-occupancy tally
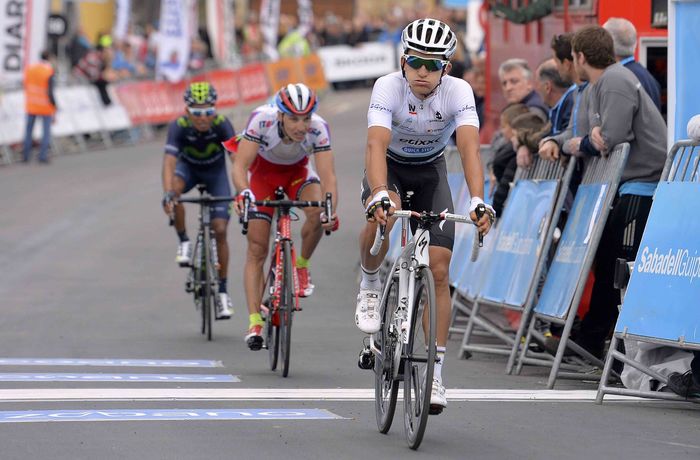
(411, 116)
(274, 152)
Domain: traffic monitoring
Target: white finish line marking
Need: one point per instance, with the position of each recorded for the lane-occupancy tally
(110, 362)
(68, 377)
(103, 415)
(304, 394)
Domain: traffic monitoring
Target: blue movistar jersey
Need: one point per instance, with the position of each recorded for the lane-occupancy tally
(197, 147)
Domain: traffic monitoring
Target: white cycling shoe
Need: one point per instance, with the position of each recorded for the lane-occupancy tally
(438, 400)
(367, 312)
(224, 310)
(184, 254)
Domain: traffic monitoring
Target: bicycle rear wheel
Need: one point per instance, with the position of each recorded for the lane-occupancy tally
(420, 359)
(286, 307)
(386, 387)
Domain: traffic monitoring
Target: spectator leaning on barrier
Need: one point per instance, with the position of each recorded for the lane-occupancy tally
(528, 130)
(620, 111)
(624, 37)
(40, 103)
(688, 384)
(517, 87)
(557, 93)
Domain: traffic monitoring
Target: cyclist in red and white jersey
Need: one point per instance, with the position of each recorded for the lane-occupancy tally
(411, 116)
(274, 151)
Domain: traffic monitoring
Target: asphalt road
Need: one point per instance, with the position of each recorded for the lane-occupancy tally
(87, 272)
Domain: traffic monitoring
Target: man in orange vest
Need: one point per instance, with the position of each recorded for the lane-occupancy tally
(40, 103)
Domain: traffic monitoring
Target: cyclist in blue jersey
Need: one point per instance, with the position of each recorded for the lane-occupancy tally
(194, 154)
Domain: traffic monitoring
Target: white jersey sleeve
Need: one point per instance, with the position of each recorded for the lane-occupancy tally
(320, 134)
(383, 101)
(462, 96)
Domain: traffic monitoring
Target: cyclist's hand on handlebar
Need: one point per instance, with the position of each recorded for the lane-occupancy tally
(486, 221)
(375, 211)
(169, 202)
(238, 204)
(331, 225)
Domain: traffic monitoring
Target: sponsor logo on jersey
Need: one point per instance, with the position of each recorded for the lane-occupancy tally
(438, 115)
(314, 131)
(466, 108)
(411, 109)
(266, 124)
(379, 107)
(417, 149)
(420, 141)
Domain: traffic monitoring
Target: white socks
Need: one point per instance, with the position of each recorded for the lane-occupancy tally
(370, 280)
(439, 361)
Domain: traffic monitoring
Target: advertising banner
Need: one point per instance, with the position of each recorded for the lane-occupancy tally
(367, 60)
(269, 24)
(22, 37)
(662, 296)
(121, 23)
(522, 231)
(567, 268)
(222, 31)
(684, 66)
(174, 40)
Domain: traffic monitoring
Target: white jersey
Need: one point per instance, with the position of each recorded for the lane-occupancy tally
(420, 129)
(263, 128)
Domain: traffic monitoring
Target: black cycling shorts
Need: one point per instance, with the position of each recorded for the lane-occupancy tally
(431, 192)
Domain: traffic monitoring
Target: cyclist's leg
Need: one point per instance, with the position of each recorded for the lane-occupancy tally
(311, 232)
(253, 274)
(217, 184)
(184, 179)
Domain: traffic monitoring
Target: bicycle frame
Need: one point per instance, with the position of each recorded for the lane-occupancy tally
(283, 233)
(407, 263)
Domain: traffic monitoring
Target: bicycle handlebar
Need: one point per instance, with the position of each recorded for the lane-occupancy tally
(401, 214)
(327, 205)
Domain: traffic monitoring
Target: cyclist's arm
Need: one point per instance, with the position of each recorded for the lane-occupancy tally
(169, 162)
(326, 172)
(378, 140)
(468, 146)
(247, 151)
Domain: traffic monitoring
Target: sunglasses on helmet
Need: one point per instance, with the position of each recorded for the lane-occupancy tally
(431, 65)
(205, 112)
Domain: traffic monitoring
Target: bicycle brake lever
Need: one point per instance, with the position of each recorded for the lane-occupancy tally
(480, 211)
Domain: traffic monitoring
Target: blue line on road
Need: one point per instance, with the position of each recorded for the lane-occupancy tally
(164, 414)
(109, 362)
(69, 377)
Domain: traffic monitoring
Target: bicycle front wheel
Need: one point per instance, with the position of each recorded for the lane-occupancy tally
(386, 359)
(420, 359)
(286, 310)
(210, 277)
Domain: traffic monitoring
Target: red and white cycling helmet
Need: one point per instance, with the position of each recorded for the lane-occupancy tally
(296, 99)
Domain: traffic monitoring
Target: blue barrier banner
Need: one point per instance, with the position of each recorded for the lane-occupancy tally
(567, 266)
(685, 37)
(522, 230)
(662, 296)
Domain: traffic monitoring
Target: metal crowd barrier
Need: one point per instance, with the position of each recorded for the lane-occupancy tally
(517, 259)
(661, 308)
(566, 278)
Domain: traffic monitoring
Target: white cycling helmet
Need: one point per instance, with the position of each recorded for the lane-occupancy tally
(429, 36)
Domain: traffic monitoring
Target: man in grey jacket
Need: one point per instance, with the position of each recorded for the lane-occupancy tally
(619, 111)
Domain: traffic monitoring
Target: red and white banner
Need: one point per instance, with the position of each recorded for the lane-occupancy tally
(222, 30)
(22, 36)
(269, 25)
(174, 39)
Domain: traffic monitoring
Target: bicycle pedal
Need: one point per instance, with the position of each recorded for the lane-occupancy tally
(435, 409)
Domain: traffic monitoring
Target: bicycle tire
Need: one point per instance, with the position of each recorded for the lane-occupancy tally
(208, 269)
(199, 280)
(419, 361)
(386, 388)
(272, 338)
(286, 307)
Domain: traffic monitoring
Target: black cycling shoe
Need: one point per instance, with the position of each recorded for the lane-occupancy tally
(254, 338)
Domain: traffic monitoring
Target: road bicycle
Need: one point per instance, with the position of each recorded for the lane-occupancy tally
(280, 292)
(404, 349)
(203, 277)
